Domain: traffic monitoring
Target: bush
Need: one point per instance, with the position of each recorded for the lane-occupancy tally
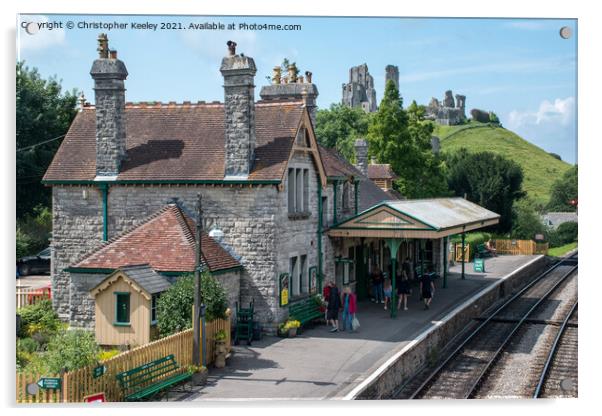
(174, 307)
(33, 231)
(108, 354)
(565, 233)
(71, 350)
(28, 345)
(473, 240)
(493, 118)
(526, 222)
(39, 318)
(479, 115)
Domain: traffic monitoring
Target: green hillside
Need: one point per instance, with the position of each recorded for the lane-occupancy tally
(540, 169)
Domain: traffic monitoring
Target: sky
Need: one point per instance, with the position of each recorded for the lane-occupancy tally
(522, 69)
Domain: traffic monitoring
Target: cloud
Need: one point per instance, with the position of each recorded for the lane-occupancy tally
(44, 38)
(561, 112)
(528, 24)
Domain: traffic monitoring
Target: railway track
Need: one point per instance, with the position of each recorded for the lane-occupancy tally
(559, 375)
(461, 372)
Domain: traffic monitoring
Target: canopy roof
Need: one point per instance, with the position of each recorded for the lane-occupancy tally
(419, 218)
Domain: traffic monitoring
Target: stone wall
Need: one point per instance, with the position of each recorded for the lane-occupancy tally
(230, 281)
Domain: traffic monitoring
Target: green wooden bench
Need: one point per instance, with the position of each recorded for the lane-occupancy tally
(305, 311)
(482, 251)
(151, 378)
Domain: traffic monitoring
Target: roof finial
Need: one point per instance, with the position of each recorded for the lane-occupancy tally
(231, 47)
(304, 97)
(103, 46)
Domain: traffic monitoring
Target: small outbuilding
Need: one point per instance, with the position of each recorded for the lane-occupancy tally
(126, 305)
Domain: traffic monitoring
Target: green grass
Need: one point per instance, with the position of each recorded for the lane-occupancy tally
(559, 251)
(539, 168)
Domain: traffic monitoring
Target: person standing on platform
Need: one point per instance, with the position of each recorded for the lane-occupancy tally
(334, 304)
(403, 290)
(349, 308)
(407, 268)
(427, 288)
(377, 285)
(388, 292)
(326, 296)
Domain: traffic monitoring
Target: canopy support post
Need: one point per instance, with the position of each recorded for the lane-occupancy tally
(393, 244)
(463, 254)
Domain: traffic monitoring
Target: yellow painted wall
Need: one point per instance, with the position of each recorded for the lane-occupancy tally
(138, 332)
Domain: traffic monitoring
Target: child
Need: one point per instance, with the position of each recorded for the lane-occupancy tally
(388, 291)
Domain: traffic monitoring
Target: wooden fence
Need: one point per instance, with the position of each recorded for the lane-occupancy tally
(28, 296)
(520, 247)
(80, 383)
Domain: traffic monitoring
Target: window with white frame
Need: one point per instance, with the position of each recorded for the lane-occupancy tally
(298, 190)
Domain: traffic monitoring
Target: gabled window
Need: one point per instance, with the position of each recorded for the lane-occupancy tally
(298, 192)
(122, 308)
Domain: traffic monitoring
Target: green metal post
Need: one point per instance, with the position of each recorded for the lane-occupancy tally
(393, 244)
(336, 185)
(320, 226)
(421, 251)
(463, 241)
(104, 189)
(445, 260)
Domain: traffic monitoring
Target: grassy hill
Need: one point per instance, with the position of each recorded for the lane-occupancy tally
(540, 169)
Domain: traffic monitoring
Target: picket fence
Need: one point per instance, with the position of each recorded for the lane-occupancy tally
(77, 384)
(28, 296)
(520, 247)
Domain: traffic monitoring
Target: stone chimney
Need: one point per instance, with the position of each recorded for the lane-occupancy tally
(301, 89)
(361, 156)
(108, 74)
(239, 104)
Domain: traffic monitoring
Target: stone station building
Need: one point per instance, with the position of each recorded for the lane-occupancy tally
(126, 177)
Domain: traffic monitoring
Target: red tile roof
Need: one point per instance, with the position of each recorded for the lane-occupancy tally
(179, 142)
(381, 171)
(165, 241)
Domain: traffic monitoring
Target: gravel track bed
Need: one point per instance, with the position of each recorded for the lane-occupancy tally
(562, 378)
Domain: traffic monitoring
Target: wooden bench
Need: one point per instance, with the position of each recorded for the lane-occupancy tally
(482, 251)
(305, 311)
(151, 378)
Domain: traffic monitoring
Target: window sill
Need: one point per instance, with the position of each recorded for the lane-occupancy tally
(298, 215)
(121, 324)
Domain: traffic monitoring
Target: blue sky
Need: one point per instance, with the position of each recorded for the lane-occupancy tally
(519, 68)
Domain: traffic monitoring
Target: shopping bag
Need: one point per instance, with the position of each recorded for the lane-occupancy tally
(355, 324)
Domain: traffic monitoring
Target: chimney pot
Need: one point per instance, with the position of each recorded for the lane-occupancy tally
(231, 47)
(113, 54)
(103, 46)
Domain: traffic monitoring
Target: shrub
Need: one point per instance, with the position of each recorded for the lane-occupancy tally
(108, 354)
(493, 118)
(526, 222)
(174, 307)
(472, 240)
(479, 115)
(39, 318)
(565, 233)
(71, 350)
(28, 345)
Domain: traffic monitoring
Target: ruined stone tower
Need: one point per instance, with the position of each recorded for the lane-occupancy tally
(109, 74)
(239, 95)
(448, 112)
(359, 91)
(392, 73)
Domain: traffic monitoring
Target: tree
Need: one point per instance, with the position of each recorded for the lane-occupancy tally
(43, 113)
(526, 221)
(564, 190)
(487, 179)
(339, 126)
(403, 139)
(174, 307)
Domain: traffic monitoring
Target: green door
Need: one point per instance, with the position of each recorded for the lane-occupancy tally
(361, 277)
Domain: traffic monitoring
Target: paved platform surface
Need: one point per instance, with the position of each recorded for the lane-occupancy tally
(33, 281)
(321, 365)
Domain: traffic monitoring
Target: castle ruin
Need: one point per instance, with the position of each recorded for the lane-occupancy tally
(448, 112)
(359, 91)
(392, 73)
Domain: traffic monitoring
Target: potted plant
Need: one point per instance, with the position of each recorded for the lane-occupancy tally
(290, 326)
(199, 374)
(220, 349)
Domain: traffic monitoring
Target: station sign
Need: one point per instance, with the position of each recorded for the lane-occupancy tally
(50, 383)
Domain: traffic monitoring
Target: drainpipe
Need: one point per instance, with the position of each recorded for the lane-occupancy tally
(357, 192)
(336, 185)
(104, 189)
(320, 225)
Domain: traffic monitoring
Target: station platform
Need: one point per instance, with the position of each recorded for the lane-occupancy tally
(318, 364)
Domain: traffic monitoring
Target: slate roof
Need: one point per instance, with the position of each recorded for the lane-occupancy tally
(381, 171)
(147, 278)
(165, 241)
(179, 142)
(336, 165)
(554, 219)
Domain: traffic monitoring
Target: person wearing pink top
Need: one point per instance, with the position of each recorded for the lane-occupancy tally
(349, 302)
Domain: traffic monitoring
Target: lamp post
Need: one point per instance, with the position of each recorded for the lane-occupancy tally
(199, 307)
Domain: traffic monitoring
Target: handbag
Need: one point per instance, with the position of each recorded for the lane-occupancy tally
(355, 324)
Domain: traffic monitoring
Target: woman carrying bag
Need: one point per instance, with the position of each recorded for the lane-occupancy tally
(349, 302)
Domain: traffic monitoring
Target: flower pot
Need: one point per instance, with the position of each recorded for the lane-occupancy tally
(220, 354)
(292, 332)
